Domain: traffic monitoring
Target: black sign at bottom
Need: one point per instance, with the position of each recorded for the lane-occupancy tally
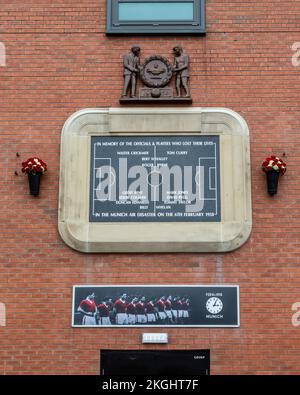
(155, 362)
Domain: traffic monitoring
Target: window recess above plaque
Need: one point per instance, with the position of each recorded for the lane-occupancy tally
(155, 16)
(155, 180)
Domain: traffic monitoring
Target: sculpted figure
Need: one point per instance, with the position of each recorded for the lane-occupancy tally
(181, 68)
(131, 64)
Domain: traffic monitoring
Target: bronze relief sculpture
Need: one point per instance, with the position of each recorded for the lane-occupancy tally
(155, 73)
(181, 68)
(131, 64)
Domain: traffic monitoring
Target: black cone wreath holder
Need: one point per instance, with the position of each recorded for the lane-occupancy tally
(273, 166)
(272, 181)
(34, 183)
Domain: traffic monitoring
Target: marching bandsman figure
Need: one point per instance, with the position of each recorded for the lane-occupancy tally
(180, 310)
(141, 311)
(131, 311)
(88, 309)
(120, 308)
(186, 305)
(103, 313)
(175, 307)
(160, 305)
(150, 311)
(168, 309)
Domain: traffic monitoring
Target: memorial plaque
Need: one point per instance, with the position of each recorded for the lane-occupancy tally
(156, 305)
(155, 179)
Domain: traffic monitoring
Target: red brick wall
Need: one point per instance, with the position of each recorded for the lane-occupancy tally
(59, 60)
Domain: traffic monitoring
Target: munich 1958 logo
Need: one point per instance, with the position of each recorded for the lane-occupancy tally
(156, 72)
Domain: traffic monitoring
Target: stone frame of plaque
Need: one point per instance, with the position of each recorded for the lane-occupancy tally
(226, 234)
